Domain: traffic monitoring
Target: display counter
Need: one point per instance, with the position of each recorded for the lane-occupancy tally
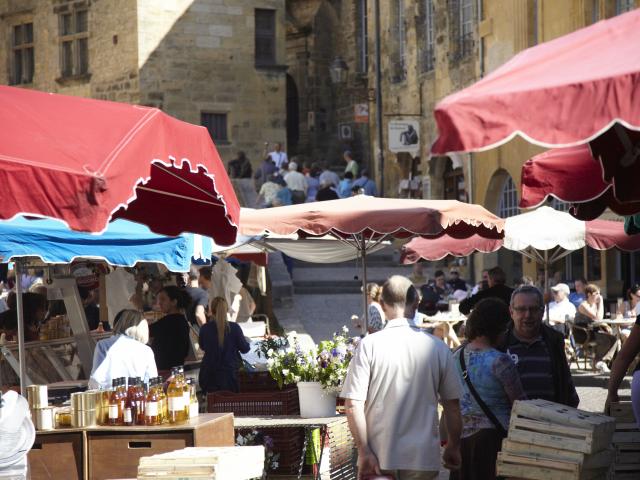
(105, 452)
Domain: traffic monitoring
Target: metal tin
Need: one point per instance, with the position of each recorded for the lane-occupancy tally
(37, 396)
(84, 418)
(88, 400)
(63, 417)
(43, 418)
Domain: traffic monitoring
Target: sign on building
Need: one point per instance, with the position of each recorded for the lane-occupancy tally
(361, 112)
(404, 136)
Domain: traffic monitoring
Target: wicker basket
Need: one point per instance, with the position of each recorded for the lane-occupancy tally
(253, 404)
(288, 443)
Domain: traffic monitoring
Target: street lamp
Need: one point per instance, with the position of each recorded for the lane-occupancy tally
(339, 71)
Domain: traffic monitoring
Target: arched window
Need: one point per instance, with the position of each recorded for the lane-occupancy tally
(508, 199)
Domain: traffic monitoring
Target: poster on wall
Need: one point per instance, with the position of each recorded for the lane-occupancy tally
(403, 136)
(361, 112)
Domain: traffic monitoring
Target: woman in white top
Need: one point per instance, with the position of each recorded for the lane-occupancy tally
(129, 355)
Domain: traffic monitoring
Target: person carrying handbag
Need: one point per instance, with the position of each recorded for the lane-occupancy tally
(491, 384)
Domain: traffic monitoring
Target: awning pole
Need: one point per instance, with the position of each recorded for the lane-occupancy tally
(20, 317)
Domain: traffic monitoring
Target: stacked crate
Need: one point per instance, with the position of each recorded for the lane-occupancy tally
(550, 441)
(626, 443)
(212, 463)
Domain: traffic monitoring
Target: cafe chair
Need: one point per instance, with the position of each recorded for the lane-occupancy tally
(584, 343)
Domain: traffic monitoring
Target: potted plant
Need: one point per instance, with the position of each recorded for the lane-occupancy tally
(319, 372)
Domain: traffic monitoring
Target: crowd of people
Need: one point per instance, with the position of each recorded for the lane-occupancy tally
(155, 332)
(513, 349)
(282, 181)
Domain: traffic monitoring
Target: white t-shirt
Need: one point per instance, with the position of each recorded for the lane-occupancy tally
(296, 181)
(401, 373)
(125, 358)
(279, 158)
(558, 311)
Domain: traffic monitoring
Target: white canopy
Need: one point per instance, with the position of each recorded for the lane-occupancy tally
(544, 229)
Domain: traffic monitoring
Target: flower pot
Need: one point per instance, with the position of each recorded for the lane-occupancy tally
(315, 401)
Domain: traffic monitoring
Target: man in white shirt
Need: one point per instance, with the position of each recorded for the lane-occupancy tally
(297, 183)
(392, 388)
(278, 156)
(561, 308)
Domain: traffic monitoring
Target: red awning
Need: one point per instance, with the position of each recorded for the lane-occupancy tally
(86, 161)
(598, 234)
(374, 218)
(560, 93)
(572, 175)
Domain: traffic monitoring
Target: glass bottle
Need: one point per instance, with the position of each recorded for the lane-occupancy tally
(139, 398)
(186, 391)
(151, 405)
(115, 408)
(194, 408)
(175, 397)
(130, 410)
(164, 407)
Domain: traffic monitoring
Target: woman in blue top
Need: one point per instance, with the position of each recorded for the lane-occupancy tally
(495, 379)
(222, 342)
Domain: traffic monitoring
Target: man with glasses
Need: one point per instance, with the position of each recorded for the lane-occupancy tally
(538, 350)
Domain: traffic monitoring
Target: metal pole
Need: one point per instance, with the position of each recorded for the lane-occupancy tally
(379, 98)
(19, 307)
(546, 279)
(363, 251)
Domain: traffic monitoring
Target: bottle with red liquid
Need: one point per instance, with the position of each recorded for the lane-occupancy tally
(115, 406)
(130, 410)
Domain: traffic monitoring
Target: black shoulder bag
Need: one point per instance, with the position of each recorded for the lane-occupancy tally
(485, 408)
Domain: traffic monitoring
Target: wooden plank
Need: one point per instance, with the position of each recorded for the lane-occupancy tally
(622, 412)
(545, 410)
(595, 460)
(550, 435)
(570, 467)
(532, 472)
(626, 437)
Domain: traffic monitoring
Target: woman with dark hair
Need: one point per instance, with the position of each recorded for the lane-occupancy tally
(222, 342)
(170, 334)
(590, 311)
(491, 385)
(34, 307)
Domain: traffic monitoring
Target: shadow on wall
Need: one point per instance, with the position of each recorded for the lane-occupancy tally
(198, 64)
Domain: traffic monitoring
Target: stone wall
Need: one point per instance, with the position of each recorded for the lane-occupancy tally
(317, 32)
(198, 56)
(112, 47)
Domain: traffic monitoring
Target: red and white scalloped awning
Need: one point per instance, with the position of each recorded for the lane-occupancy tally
(560, 93)
(374, 218)
(542, 229)
(574, 176)
(87, 161)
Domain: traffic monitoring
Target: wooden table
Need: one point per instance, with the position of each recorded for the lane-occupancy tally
(105, 452)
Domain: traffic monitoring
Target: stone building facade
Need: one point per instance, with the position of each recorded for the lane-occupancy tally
(219, 63)
(431, 48)
(322, 120)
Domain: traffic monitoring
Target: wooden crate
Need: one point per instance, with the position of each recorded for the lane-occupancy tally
(523, 467)
(622, 412)
(597, 460)
(545, 423)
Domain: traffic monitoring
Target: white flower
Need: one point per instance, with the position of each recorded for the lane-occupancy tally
(285, 371)
(270, 352)
(345, 329)
(240, 440)
(270, 362)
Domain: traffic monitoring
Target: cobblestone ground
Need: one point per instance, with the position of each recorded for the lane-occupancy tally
(321, 315)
